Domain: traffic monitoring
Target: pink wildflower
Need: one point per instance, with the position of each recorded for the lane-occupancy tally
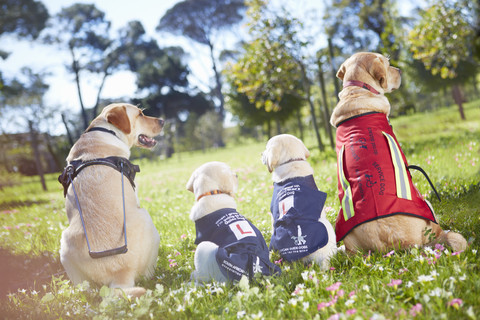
(148, 199)
(439, 247)
(323, 305)
(341, 293)
(456, 303)
(416, 309)
(334, 287)
(279, 261)
(172, 263)
(332, 268)
(7, 227)
(400, 313)
(351, 311)
(389, 254)
(351, 294)
(394, 283)
(456, 253)
(402, 271)
(335, 316)
(183, 236)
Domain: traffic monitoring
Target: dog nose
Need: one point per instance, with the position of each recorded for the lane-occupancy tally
(161, 122)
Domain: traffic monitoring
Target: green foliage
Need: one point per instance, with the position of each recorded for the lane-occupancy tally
(420, 283)
(269, 72)
(200, 19)
(24, 18)
(444, 48)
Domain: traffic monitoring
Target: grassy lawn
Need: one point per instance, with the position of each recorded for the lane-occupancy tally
(421, 283)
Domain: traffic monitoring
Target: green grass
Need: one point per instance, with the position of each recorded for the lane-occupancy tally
(420, 283)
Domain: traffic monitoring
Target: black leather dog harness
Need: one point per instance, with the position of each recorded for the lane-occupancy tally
(124, 166)
(74, 167)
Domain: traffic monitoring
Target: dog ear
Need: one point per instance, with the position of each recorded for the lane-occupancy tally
(268, 159)
(341, 71)
(119, 118)
(307, 152)
(234, 182)
(379, 72)
(189, 185)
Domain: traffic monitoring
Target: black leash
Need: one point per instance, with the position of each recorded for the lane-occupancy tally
(70, 171)
(426, 176)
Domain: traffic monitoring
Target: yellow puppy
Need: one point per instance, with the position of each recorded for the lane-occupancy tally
(97, 180)
(381, 207)
(301, 230)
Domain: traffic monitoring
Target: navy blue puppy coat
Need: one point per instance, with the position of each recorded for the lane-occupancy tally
(242, 250)
(296, 207)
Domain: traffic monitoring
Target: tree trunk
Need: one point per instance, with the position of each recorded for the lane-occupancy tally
(69, 134)
(300, 125)
(36, 155)
(269, 129)
(458, 97)
(334, 71)
(76, 70)
(58, 165)
(218, 90)
(326, 111)
(306, 86)
(99, 92)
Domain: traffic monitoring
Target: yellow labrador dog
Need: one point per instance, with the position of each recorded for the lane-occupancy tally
(229, 246)
(94, 247)
(381, 208)
(301, 230)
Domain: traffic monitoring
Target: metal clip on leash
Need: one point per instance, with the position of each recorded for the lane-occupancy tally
(110, 252)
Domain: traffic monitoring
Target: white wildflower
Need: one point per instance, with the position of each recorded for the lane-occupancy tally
(437, 292)
(306, 305)
(180, 308)
(429, 251)
(349, 302)
(424, 278)
(241, 314)
(408, 284)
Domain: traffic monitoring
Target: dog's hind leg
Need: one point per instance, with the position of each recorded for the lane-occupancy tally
(124, 283)
(206, 266)
(453, 239)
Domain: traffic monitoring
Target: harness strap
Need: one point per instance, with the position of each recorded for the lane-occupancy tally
(418, 168)
(120, 164)
(69, 171)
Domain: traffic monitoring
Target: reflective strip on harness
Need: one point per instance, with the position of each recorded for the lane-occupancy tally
(347, 200)
(401, 175)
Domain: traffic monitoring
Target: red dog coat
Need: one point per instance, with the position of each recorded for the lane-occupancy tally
(373, 179)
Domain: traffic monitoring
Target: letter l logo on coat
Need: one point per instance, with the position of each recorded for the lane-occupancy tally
(242, 229)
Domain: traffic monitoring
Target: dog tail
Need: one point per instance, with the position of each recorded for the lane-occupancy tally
(455, 240)
(133, 291)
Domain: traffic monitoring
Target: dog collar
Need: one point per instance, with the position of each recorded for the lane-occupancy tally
(210, 193)
(101, 129)
(291, 160)
(355, 83)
